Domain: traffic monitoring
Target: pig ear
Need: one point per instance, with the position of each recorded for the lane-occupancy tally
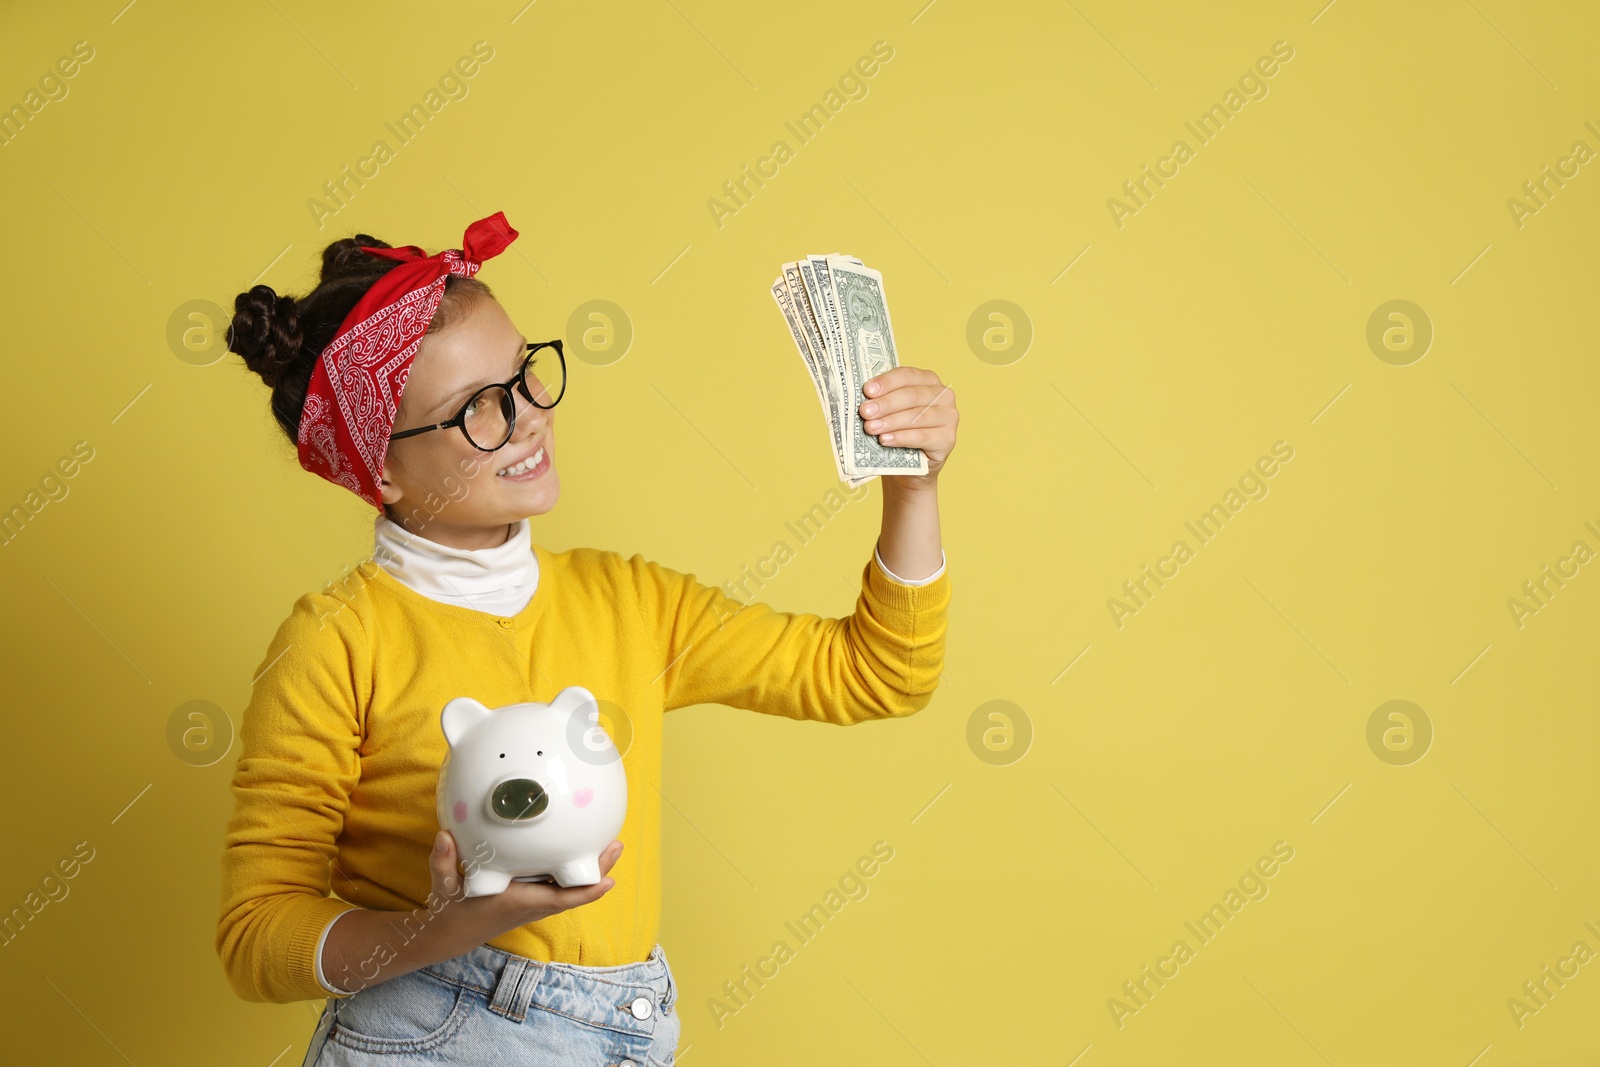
(459, 717)
(573, 697)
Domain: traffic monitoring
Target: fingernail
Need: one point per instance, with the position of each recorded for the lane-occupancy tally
(438, 841)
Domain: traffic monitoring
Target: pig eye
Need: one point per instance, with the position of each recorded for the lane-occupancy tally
(502, 755)
(539, 753)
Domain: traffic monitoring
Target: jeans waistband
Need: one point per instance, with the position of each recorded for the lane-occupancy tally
(603, 996)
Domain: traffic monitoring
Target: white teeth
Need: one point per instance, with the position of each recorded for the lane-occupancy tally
(525, 466)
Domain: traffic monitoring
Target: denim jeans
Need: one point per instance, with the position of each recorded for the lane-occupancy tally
(492, 1007)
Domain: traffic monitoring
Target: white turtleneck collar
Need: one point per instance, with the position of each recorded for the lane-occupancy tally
(499, 580)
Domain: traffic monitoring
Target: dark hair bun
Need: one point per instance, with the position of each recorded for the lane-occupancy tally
(265, 331)
(281, 337)
(344, 259)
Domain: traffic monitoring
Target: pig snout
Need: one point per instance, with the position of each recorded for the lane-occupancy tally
(518, 799)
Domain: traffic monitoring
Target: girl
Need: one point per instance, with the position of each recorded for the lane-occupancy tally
(402, 379)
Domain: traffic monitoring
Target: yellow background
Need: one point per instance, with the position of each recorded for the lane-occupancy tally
(1226, 315)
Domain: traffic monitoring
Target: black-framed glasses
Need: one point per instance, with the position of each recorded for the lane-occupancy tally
(489, 416)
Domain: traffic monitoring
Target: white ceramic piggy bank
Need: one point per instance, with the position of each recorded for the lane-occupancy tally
(541, 785)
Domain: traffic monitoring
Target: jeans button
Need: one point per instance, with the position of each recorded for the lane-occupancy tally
(641, 1007)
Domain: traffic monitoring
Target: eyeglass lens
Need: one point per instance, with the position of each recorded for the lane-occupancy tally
(489, 414)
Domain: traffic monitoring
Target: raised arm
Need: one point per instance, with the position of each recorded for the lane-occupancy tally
(884, 659)
(881, 661)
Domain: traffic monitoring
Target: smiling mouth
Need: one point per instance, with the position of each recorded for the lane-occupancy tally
(522, 466)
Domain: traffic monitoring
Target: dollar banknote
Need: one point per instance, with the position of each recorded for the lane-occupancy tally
(838, 316)
(789, 291)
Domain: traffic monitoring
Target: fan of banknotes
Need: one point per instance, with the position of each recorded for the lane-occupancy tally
(839, 319)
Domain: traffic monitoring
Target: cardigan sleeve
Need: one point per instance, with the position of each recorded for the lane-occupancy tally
(298, 763)
(881, 661)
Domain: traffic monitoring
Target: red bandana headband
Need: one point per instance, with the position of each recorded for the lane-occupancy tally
(356, 386)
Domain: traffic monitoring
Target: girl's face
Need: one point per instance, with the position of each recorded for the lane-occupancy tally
(439, 486)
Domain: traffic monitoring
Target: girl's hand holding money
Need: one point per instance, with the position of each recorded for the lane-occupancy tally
(909, 407)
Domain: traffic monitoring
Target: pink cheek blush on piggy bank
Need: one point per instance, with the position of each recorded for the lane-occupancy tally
(534, 791)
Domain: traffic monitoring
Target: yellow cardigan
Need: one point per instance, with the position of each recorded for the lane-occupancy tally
(341, 745)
